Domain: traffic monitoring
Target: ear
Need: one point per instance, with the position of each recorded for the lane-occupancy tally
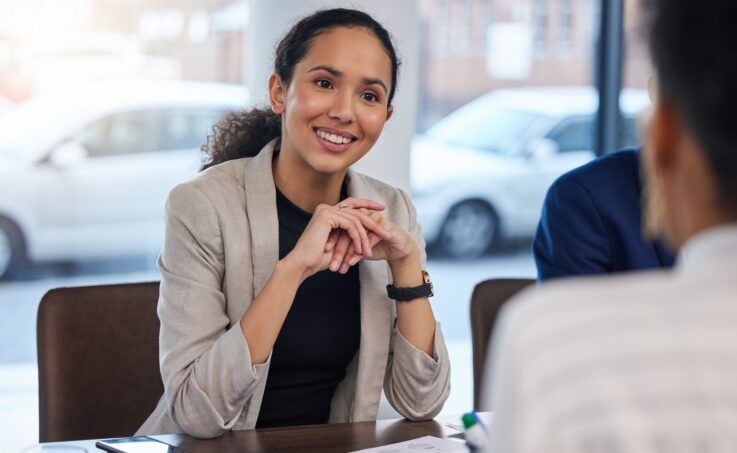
(663, 133)
(277, 91)
(389, 113)
(652, 87)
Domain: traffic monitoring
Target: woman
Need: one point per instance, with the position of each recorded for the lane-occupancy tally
(267, 317)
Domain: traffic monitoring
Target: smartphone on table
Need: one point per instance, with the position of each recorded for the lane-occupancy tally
(141, 444)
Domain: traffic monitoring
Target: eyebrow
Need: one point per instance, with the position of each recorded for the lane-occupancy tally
(334, 72)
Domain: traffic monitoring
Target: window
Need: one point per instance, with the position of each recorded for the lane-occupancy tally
(463, 29)
(148, 131)
(636, 70)
(186, 129)
(565, 30)
(484, 125)
(574, 134)
(629, 132)
(540, 26)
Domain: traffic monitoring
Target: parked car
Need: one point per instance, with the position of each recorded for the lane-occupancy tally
(480, 174)
(85, 173)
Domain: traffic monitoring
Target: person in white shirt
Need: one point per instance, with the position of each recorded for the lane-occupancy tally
(644, 362)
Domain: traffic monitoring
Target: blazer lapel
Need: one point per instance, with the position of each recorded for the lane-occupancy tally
(376, 325)
(262, 216)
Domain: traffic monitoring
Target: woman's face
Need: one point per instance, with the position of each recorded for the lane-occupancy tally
(335, 106)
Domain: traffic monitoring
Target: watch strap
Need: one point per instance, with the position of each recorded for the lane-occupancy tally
(407, 294)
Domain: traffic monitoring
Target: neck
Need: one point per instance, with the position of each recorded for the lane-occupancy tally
(303, 186)
(692, 198)
(700, 222)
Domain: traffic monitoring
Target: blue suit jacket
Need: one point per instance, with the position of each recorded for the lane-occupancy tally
(592, 223)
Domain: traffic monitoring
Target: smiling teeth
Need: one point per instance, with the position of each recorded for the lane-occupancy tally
(337, 139)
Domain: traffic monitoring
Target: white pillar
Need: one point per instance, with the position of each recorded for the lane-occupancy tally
(270, 20)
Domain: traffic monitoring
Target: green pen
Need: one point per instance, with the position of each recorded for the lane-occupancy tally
(475, 432)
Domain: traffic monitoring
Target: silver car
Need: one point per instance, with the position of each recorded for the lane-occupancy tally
(85, 173)
(480, 175)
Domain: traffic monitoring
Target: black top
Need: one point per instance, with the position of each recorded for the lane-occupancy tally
(318, 340)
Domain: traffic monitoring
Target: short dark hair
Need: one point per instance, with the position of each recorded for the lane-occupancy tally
(694, 50)
(245, 133)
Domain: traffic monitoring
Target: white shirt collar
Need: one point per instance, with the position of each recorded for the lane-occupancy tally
(710, 247)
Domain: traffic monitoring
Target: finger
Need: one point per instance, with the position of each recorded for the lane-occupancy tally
(353, 228)
(364, 246)
(369, 223)
(386, 225)
(339, 253)
(374, 239)
(353, 259)
(333, 219)
(332, 240)
(350, 256)
(362, 203)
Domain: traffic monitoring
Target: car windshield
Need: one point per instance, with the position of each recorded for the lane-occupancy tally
(480, 125)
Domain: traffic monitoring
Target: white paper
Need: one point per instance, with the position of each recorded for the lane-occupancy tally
(423, 444)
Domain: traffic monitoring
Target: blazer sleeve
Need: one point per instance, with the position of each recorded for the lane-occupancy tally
(417, 384)
(205, 360)
(571, 238)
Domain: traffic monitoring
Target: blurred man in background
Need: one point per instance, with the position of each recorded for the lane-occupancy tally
(645, 362)
(591, 222)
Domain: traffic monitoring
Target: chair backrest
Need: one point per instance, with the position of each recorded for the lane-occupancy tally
(98, 360)
(488, 297)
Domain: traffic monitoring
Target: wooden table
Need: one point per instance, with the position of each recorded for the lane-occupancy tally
(334, 438)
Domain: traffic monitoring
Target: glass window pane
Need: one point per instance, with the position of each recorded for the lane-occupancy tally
(574, 134)
(104, 106)
(636, 70)
(498, 122)
(502, 99)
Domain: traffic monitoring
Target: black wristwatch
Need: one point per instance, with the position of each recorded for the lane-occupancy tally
(407, 294)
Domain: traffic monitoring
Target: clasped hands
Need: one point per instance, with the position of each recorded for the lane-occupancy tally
(342, 235)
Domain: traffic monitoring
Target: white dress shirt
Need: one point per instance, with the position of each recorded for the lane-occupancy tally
(640, 362)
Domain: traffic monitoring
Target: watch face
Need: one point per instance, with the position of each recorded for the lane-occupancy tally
(428, 281)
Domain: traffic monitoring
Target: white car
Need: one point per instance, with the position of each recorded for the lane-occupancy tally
(481, 174)
(85, 173)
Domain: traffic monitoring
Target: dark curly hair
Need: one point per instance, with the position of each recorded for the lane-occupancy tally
(245, 133)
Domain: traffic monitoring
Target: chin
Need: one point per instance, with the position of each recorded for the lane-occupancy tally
(326, 167)
(332, 164)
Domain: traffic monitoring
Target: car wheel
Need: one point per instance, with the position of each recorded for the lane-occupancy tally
(469, 230)
(11, 248)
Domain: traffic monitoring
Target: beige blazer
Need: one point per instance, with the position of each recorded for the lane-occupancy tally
(220, 248)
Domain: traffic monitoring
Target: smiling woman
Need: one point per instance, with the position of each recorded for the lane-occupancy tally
(274, 305)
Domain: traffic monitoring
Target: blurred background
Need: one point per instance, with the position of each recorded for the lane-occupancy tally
(104, 105)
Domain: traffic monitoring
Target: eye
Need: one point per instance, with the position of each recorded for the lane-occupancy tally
(369, 96)
(324, 83)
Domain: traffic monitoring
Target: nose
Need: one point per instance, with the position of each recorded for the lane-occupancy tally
(342, 108)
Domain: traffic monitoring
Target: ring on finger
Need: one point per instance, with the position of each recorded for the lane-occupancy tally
(341, 206)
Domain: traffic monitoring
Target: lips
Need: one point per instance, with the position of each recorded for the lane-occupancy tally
(334, 140)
